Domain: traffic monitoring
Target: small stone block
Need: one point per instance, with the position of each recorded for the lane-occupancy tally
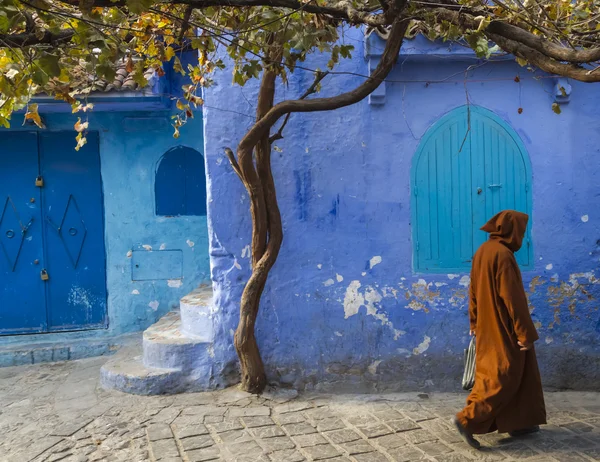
(158, 432)
(278, 443)
(391, 441)
(419, 436)
(357, 447)
(235, 436)
(164, 448)
(406, 454)
(191, 430)
(290, 455)
(343, 436)
(374, 430)
(227, 425)
(260, 421)
(434, 448)
(402, 425)
(292, 418)
(245, 447)
(197, 442)
(301, 428)
(323, 451)
(329, 424)
(371, 457)
(267, 432)
(312, 439)
(203, 455)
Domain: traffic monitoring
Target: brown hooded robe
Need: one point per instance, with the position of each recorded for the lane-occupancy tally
(507, 394)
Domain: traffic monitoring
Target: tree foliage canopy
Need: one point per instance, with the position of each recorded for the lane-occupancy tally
(61, 47)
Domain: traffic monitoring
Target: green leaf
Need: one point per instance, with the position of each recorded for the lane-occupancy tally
(49, 64)
(138, 6)
(106, 71)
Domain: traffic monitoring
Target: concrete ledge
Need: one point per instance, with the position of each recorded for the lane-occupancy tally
(34, 353)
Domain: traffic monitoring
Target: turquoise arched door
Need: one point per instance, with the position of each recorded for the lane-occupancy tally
(460, 179)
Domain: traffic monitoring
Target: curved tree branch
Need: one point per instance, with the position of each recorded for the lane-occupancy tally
(342, 10)
(388, 59)
(546, 64)
(518, 35)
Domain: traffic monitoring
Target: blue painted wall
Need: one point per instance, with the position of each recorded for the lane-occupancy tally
(343, 306)
(131, 145)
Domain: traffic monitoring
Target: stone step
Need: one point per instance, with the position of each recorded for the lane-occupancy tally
(165, 346)
(126, 372)
(197, 313)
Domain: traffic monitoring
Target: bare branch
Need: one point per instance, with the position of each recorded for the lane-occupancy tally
(388, 59)
(233, 162)
(342, 10)
(319, 76)
(30, 39)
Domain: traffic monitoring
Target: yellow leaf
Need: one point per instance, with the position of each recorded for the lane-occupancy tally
(80, 127)
(32, 114)
(176, 133)
(169, 53)
(201, 58)
(522, 62)
(180, 105)
(81, 141)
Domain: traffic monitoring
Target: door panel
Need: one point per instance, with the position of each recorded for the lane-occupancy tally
(443, 197)
(74, 232)
(22, 298)
(470, 165)
(504, 182)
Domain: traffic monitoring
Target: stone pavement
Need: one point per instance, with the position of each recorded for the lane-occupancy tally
(58, 412)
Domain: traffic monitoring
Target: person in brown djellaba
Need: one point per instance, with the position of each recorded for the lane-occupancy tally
(507, 395)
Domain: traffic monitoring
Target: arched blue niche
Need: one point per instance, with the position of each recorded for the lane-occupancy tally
(180, 183)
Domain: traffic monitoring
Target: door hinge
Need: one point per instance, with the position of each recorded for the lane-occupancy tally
(39, 182)
(416, 191)
(417, 246)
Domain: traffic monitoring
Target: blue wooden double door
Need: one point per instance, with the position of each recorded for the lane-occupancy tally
(52, 256)
(470, 165)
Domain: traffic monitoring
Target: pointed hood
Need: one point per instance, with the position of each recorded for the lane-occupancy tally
(509, 228)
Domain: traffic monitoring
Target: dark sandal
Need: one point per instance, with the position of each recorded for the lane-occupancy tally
(465, 435)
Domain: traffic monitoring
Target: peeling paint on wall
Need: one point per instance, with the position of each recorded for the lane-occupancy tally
(354, 300)
(423, 346)
(376, 260)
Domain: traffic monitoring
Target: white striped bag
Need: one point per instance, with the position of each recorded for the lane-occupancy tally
(469, 375)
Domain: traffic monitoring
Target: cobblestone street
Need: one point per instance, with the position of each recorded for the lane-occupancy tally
(58, 412)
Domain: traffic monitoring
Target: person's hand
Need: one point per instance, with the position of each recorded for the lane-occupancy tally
(471, 333)
(525, 346)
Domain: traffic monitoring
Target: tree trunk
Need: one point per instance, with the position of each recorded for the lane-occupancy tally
(267, 233)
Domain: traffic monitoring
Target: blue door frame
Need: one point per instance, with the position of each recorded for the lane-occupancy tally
(469, 166)
(52, 254)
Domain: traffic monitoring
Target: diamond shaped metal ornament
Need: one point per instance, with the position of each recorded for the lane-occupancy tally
(12, 233)
(72, 231)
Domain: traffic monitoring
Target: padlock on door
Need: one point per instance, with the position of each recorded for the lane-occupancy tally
(39, 182)
(44, 275)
